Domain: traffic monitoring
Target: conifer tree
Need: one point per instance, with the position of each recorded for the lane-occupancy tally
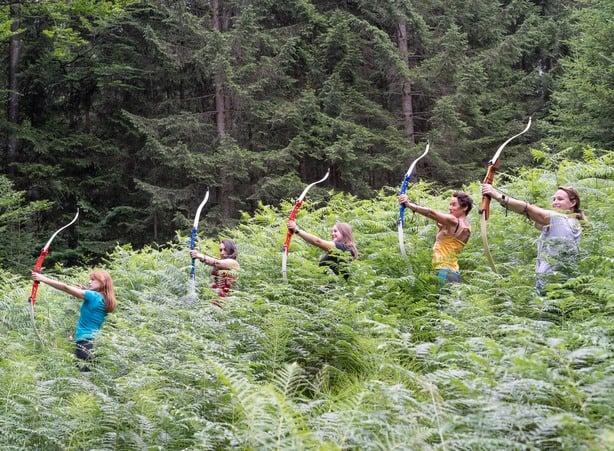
(583, 99)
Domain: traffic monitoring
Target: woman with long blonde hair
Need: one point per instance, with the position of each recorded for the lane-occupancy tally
(98, 300)
(341, 245)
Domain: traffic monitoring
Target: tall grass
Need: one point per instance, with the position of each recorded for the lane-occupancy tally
(381, 361)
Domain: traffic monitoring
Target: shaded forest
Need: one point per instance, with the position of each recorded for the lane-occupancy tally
(131, 110)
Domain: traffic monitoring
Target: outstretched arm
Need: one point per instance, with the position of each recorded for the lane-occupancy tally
(74, 291)
(311, 239)
(540, 216)
(221, 263)
(444, 219)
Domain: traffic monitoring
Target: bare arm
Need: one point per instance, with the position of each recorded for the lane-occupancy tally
(221, 263)
(445, 219)
(540, 216)
(74, 291)
(311, 239)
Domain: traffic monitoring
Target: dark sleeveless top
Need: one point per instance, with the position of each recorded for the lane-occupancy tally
(336, 262)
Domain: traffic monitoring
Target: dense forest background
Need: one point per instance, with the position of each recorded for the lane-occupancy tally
(131, 110)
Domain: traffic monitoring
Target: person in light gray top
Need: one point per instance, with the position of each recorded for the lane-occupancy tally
(561, 230)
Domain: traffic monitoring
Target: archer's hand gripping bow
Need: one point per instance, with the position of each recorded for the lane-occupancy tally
(297, 205)
(37, 268)
(193, 237)
(406, 180)
(39, 261)
(484, 211)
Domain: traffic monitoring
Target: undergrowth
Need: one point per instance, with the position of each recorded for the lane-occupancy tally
(381, 361)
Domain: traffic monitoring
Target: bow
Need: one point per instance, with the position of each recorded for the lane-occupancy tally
(484, 211)
(37, 268)
(39, 261)
(406, 180)
(297, 205)
(193, 237)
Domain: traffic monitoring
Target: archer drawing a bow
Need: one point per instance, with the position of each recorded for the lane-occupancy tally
(297, 205)
(193, 237)
(37, 268)
(406, 180)
(484, 211)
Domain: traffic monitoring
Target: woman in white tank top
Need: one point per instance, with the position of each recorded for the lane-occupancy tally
(557, 246)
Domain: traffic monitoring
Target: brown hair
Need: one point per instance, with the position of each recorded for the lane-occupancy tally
(347, 237)
(573, 195)
(464, 200)
(106, 288)
(231, 249)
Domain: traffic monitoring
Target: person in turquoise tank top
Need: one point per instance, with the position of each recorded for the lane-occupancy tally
(561, 230)
(98, 300)
(454, 232)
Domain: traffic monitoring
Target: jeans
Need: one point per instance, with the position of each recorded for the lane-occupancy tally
(449, 276)
(83, 351)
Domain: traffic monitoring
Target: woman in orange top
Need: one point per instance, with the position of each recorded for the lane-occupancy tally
(454, 232)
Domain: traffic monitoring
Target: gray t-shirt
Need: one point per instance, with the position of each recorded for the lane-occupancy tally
(557, 246)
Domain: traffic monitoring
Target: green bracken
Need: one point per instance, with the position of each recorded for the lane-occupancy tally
(381, 361)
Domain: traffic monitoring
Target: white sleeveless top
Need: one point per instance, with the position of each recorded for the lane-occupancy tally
(557, 246)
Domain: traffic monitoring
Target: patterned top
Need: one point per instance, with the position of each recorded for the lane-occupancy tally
(223, 281)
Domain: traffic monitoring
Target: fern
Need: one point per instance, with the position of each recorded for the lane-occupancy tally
(383, 361)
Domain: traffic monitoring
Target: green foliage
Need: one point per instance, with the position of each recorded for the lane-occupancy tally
(583, 100)
(130, 109)
(16, 219)
(381, 361)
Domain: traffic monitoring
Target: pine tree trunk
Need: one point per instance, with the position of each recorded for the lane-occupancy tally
(12, 150)
(406, 88)
(222, 119)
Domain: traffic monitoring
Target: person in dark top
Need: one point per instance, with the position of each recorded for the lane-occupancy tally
(98, 300)
(336, 250)
(224, 269)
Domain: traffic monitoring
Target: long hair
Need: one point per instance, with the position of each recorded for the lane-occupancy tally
(106, 288)
(347, 237)
(574, 196)
(231, 249)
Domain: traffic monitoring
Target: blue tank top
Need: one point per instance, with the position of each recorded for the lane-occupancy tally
(92, 315)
